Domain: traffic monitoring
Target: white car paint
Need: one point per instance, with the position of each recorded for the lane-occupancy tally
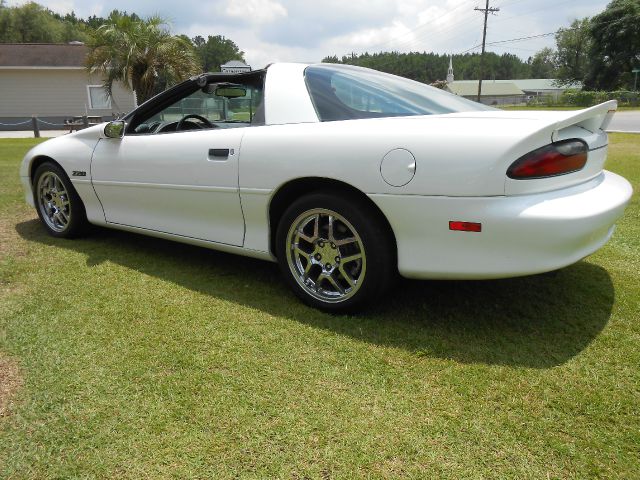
(140, 183)
(522, 234)
(168, 185)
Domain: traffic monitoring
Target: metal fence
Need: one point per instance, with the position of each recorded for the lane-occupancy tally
(36, 124)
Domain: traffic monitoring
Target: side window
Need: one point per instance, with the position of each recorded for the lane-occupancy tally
(217, 105)
(198, 103)
(340, 92)
(360, 98)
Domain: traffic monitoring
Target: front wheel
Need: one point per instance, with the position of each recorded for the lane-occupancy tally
(59, 206)
(335, 252)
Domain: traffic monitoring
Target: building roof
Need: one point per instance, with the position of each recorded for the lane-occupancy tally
(47, 55)
(235, 63)
(527, 84)
(467, 88)
(537, 84)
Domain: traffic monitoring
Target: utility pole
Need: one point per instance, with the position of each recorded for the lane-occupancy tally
(486, 11)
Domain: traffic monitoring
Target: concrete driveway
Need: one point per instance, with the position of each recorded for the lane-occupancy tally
(628, 121)
(29, 133)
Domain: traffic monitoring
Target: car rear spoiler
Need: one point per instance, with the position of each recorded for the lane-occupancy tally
(591, 119)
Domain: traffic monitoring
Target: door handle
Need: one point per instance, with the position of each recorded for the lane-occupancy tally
(219, 153)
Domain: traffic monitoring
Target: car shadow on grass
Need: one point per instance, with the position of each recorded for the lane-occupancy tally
(537, 322)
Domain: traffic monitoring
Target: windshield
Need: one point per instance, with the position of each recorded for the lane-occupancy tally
(346, 92)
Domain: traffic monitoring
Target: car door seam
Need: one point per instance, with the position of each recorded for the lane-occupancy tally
(104, 214)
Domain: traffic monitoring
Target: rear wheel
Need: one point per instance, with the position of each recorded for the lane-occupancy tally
(334, 252)
(57, 202)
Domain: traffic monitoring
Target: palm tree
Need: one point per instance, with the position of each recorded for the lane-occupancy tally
(142, 54)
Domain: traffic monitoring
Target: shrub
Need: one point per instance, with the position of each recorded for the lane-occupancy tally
(583, 98)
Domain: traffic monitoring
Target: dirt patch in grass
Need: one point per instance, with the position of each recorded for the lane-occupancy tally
(10, 382)
(12, 248)
(10, 241)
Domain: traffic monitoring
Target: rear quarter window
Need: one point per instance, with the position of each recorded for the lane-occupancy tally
(344, 93)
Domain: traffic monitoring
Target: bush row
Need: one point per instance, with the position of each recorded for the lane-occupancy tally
(581, 98)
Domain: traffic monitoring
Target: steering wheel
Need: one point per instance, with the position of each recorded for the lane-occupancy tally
(206, 122)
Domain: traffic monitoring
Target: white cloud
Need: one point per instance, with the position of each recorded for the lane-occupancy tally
(373, 39)
(62, 6)
(309, 30)
(256, 11)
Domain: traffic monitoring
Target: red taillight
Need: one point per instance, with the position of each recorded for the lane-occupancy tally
(551, 160)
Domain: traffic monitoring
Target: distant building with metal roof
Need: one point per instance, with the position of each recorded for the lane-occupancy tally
(235, 66)
(538, 87)
(530, 86)
(489, 87)
(493, 93)
(496, 92)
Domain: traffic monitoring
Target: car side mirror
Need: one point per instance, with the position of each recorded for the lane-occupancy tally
(114, 129)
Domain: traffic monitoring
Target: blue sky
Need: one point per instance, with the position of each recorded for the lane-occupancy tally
(307, 30)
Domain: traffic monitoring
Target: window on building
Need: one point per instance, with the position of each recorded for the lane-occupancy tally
(98, 97)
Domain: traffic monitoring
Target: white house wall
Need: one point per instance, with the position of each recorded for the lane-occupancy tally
(54, 93)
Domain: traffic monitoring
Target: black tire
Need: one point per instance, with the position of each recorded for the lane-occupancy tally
(353, 283)
(68, 204)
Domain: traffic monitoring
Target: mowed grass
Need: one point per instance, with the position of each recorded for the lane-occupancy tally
(142, 358)
(555, 108)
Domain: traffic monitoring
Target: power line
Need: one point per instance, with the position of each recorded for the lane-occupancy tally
(469, 49)
(519, 39)
(419, 27)
(466, 21)
(546, 7)
(522, 38)
(511, 40)
(420, 35)
(440, 34)
(486, 11)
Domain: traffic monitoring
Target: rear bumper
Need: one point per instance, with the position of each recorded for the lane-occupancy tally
(521, 234)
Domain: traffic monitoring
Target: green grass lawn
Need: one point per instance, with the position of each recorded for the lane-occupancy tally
(544, 107)
(124, 356)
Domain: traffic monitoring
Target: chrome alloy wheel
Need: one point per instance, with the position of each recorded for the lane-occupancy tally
(326, 255)
(53, 201)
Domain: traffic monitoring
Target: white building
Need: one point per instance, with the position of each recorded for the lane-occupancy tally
(498, 92)
(235, 66)
(52, 82)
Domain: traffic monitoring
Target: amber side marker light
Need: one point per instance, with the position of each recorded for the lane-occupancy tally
(465, 226)
(551, 160)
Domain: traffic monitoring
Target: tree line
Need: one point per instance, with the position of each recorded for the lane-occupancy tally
(599, 52)
(431, 67)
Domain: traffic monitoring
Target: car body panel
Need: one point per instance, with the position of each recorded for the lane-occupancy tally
(168, 185)
(521, 235)
(286, 97)
(142, 181)
(73, 153)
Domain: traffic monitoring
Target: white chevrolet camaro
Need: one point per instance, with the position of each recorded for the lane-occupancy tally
(343, 175)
